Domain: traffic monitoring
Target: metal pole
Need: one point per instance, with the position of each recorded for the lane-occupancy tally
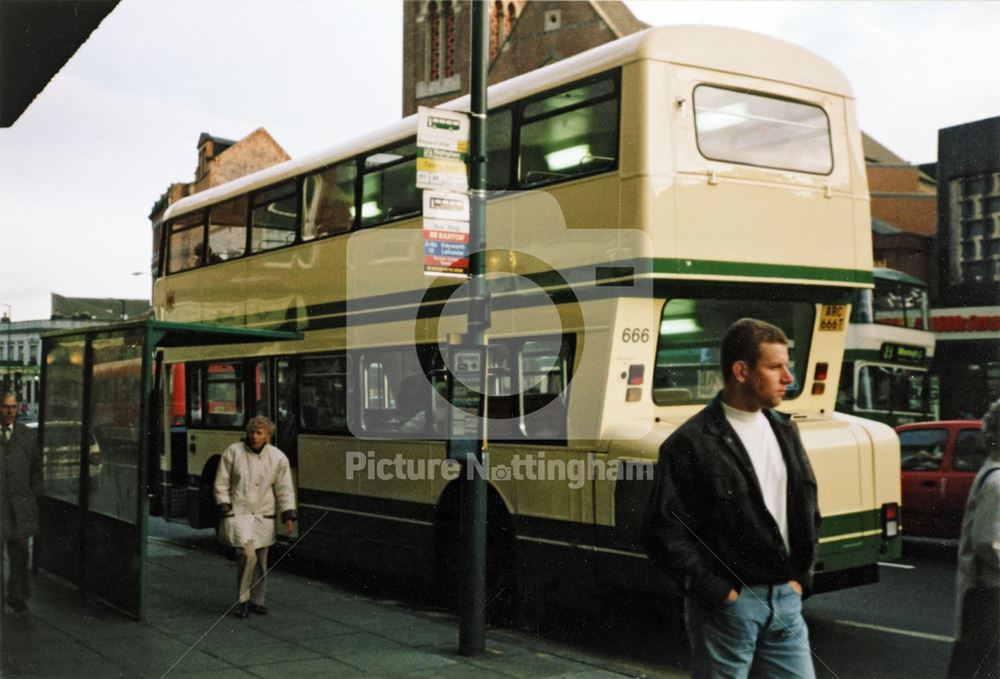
(472, 627)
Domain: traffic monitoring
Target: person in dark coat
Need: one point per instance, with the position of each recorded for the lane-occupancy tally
(977, 588)
(733, 517)
(22, 486)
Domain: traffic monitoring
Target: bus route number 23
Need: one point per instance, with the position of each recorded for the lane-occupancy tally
(833, 318)
(635, 335)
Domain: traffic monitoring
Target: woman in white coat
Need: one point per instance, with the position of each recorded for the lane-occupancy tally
(252, 486)
(978, 585)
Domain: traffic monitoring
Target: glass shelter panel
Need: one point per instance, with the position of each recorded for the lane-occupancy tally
(63, 419)
(115, 425)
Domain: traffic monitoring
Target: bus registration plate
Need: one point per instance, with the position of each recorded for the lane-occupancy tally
(833, 317)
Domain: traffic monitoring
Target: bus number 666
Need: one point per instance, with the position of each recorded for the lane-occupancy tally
(635, 335)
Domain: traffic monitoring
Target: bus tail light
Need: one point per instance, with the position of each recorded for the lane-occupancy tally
(636, 374)
(819, 378)
(890, 520)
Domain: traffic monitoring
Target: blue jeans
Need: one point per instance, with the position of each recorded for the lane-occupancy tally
(762, 629)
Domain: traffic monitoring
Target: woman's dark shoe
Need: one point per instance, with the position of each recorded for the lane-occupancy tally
(242, 611)
(258, 609)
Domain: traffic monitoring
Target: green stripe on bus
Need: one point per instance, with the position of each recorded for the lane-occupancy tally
(698, 267)
(300, 319)
(846, 524)
(862, 551)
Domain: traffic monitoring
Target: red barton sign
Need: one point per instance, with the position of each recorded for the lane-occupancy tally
(446, 233)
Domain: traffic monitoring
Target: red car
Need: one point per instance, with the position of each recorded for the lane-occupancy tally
(939, 460)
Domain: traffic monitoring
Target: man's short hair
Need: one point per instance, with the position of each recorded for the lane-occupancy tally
(260, 421)
(742, 343)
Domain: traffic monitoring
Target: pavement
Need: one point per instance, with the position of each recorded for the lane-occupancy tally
(313, 628)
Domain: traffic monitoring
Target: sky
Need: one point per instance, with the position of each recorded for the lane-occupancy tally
(82, 167)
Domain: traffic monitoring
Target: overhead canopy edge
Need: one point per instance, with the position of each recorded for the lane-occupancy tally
(167, 334)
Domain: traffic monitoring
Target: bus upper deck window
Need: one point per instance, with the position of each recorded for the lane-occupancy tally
(388, 190)
(275, 217)
(573, 132)
(328, 201)
(765, 131)
(186, 244)
(227, 230)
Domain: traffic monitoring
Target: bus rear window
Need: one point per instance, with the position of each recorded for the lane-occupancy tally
(765, 131)
(691, 330)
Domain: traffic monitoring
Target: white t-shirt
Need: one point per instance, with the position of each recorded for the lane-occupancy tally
(765, 454)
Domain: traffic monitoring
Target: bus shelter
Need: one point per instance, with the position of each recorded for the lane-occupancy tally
(101, 442)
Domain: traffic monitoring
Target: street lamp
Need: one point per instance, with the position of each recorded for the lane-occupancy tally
(6, 354)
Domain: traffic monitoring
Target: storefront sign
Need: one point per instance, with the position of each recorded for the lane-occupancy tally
(966, 323)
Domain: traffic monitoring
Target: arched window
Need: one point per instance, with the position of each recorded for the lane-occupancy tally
(496, 25)
(449, 39)
(432, 43)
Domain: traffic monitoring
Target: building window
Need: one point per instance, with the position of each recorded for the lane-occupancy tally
(449, 40)
(974, 242)
(496, 23)
(433, 42)
(508, 20)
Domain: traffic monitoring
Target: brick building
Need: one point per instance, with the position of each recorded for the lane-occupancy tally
(904, 212)
(524, 35)
(219, 161)
(966, 315)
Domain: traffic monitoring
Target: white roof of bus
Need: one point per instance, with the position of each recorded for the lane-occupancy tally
(730, 50)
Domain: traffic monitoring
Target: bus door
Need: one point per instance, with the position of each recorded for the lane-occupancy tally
(273, 395)
(177, 421)
(286, 409)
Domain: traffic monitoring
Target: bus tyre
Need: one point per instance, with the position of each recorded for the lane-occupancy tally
(205, 514)
(501, 590)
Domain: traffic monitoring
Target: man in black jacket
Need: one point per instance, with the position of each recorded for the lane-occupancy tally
(733, 517)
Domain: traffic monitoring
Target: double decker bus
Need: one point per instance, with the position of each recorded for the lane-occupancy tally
(887, 363)
(646, 194)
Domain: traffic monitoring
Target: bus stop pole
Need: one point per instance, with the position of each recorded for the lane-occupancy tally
(472, 624)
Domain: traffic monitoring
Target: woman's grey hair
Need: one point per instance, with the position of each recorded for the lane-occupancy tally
(991, 429)
(259, 421)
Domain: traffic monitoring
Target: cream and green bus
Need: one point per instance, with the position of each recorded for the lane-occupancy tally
(644, 195)
(890, 348)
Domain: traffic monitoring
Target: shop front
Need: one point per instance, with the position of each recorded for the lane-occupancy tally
(967, 359)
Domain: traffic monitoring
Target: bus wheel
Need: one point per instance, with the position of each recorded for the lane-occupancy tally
(202, 510)
(501, 564)
(501, 599)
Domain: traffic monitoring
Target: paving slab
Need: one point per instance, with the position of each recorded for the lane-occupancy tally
(312, 629)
